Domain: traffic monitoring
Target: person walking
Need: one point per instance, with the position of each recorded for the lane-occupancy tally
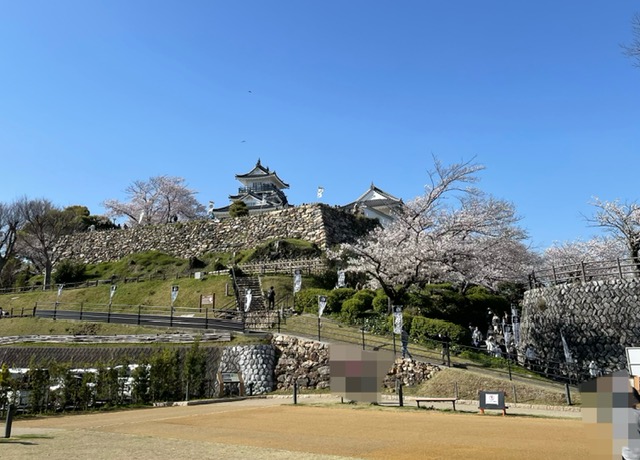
(404, 338)
(446, 340)
(476, 337)
(271, 297)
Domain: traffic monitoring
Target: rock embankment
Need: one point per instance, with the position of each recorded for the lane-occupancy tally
(317, 223)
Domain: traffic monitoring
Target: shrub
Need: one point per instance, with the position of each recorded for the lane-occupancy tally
(307, 300)
(68, 271)
(355, 307)
(381, 303)
(423, 330)
(337, 297)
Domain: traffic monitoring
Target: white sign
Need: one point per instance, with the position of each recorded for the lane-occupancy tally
(491, 398)
(322, 303)
(633, 360)
(341, 282)
(206, 299)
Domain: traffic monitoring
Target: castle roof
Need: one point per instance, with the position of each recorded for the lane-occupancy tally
(261, 174)
(376, 203)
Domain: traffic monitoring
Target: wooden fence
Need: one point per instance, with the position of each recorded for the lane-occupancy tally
(307, 266)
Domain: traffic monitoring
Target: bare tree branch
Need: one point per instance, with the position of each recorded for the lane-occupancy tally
(633, 49)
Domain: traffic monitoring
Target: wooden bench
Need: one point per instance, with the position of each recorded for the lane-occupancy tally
(451, 400)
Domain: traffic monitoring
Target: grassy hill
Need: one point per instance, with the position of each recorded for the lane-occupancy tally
(470, 381)
(157, 292)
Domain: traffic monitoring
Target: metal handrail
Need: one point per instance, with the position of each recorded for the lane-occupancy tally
(585, 271)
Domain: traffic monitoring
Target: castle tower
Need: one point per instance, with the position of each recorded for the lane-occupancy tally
(261, 191)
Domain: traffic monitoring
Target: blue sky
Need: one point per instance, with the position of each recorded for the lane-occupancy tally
(339, 94)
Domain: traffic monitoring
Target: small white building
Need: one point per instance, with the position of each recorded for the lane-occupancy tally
(375, 203)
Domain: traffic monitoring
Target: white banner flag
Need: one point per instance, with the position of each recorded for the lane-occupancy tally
(248, 300)
(297, 280)
(320, 192)
(567, 353)
(322, 303)
(174, 293)
(113, 291)
(397, 319)
(515, 322)
(341, 282)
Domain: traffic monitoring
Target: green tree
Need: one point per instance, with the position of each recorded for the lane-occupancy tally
(141, 377)
(7, 384)
(86, 220)
(40, 240)
(164, 378)
(38, 378)
(194, 370)
(238, 209)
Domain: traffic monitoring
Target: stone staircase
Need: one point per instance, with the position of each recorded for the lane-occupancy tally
(259, 316)
(246, 283)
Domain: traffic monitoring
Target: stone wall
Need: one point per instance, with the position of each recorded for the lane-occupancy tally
(300, 361)
(409, 373)
(306, 362)
(597, 318)
(255, 363)
(317, 223)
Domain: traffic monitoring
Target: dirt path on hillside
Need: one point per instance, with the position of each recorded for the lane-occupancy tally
(273, 428)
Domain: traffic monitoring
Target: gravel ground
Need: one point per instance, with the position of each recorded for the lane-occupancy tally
(320, 429)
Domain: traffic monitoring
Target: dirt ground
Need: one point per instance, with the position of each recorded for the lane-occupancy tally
(276, 428)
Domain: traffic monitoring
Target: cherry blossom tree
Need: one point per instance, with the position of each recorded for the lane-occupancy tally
(622, 221)
(160, 200)
(633, 49)
(454, 232)
(597, 249)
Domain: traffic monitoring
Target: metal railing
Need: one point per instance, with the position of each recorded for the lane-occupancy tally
(437, 352)
(140, 315)
(585, 271)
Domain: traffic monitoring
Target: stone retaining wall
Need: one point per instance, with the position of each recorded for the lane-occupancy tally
(317, 223)
(254, 363)
(305, 362)
(597, 318)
